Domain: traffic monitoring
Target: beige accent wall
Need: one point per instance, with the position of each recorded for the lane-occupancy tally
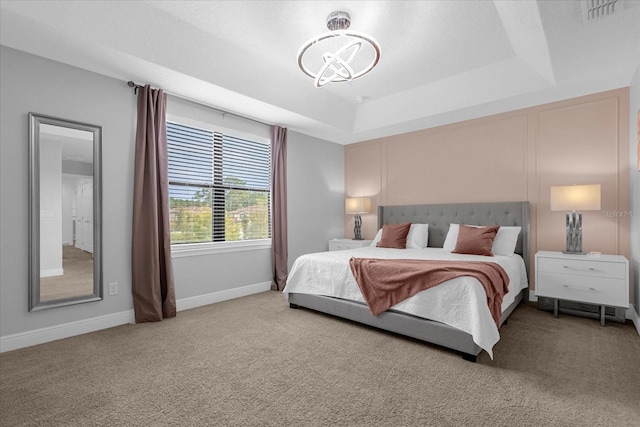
(508, 157)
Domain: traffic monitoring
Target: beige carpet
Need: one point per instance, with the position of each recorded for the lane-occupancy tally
(255, 362)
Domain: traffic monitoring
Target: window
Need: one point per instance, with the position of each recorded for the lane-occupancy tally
(219, 186)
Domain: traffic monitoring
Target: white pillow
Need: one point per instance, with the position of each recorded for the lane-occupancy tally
(503, 244)
(452, 237)
(417, 238)
(377, 238)
(506, 240)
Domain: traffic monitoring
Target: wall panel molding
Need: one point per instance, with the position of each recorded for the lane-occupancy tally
(582, 139)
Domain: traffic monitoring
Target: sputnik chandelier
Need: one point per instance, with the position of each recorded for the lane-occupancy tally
(339, 55)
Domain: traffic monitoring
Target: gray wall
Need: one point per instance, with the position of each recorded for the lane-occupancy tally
(315, 188)
(33, 84)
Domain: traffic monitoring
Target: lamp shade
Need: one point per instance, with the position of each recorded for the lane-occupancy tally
(358, 205)
(575, 198)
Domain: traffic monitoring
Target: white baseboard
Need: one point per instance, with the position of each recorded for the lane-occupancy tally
(52, 272)
(200, 300)
(633, 316)
(532, 296)
(66, 330)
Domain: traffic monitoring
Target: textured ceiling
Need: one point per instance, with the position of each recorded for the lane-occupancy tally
(442, 61)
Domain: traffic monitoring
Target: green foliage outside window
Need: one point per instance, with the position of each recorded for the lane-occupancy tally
(246, 215)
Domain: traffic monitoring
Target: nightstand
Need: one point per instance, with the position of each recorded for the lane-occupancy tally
(601, 280)
(340, 244)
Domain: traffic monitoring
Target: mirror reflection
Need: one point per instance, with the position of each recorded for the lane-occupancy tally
(65, 212)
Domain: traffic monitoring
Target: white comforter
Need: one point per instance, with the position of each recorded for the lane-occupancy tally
(461, 302)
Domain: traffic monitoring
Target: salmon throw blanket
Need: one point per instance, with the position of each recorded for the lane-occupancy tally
(386, 282)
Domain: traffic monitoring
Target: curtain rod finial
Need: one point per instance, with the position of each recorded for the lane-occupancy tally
(135, 86)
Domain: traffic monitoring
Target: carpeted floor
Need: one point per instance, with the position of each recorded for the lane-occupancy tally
(254, 361)
(77, 279)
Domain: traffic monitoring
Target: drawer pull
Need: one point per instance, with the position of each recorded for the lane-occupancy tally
(578, 288)
(579, 269)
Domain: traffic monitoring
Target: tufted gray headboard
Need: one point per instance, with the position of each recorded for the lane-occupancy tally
(440, 216)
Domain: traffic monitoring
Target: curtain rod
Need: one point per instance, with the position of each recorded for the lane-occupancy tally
(137, 86)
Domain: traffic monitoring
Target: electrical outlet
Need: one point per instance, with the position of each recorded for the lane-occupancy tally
(113, 288)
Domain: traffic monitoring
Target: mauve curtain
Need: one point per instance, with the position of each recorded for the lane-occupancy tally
(152, 271)
(279, 250)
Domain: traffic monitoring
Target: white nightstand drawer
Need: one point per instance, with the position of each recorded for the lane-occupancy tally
(587, 267)
(341, 244)
(338, 246)
(602, 280)
(611, 292)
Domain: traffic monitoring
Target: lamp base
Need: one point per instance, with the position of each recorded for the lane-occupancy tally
(574, 253)
(574, 233)
(356, 229)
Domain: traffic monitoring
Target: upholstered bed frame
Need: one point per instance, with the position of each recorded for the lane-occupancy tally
(438, 217)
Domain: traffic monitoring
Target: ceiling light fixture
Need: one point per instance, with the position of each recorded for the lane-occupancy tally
(339, 55)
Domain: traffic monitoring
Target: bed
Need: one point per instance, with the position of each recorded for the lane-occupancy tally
(322, 281)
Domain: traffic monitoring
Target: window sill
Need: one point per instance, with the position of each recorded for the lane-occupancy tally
(198, 249)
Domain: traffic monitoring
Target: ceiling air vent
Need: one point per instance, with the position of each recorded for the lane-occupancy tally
(598, 8)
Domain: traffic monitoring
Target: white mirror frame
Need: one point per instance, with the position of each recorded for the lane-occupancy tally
(35, 122)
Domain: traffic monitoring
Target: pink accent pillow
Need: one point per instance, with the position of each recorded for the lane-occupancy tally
(475, 240)
(394, 236)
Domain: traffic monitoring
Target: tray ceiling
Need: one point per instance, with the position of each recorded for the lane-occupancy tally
(442, 61)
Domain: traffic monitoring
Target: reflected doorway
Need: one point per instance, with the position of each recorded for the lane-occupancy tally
(75, 277)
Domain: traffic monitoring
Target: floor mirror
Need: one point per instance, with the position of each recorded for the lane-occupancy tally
(65, 210)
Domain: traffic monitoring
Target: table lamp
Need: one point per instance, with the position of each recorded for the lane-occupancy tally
(574, 198)
(356, 206)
